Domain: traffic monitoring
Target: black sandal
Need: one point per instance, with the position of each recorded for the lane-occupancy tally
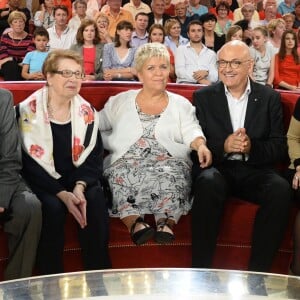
(163, 237)
(141, 236)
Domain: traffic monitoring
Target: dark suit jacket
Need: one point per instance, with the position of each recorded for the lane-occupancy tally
(165, 17)
(10, 149)
(263, 123)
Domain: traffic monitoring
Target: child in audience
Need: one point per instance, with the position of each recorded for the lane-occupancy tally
(33, 61)
(263, 56)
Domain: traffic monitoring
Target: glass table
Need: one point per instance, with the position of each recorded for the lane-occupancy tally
(150, 284)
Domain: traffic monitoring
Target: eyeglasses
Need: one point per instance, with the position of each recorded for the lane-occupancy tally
(234, 64)
(69, 73)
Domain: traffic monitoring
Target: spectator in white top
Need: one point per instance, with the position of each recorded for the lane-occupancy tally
(60, 35)
(194, 62)
(137, 6)
(80, 7)
(270, 14)
(140, 35)
(44, 17)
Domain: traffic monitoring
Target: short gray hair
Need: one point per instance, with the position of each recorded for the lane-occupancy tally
(149, 50)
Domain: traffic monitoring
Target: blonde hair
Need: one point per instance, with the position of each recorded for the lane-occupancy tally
(16, 15)
(169, 24)
(149, 50)
(101, 15)
(273, 24)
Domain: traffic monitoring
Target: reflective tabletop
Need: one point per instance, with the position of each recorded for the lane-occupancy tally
(153, 284)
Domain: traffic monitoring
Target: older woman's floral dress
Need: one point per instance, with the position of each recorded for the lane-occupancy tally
(148, 180)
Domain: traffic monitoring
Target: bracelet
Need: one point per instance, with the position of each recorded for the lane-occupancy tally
(81, 183)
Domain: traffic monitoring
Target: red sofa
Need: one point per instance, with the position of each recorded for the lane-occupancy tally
(234, 242)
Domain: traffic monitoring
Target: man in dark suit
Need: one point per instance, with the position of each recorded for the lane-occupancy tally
(20, 210)
(157, 16)
(242, 122)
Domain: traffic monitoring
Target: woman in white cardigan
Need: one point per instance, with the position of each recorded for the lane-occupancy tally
(149, 134)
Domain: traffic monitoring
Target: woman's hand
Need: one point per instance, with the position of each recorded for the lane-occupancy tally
(75, 205)
(204, 156)
(107, 75)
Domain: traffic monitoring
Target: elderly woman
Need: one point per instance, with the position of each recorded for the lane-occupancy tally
(276, 28)
(102, 22)
(149, 171)
(62, 161)
(89, 47)
(118, 56)
(13, 47)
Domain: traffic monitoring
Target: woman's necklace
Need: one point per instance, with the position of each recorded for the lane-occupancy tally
(17, 41)
(54, 115)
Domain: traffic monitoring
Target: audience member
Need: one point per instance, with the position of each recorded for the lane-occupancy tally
(180, 15)
(20, 210)
(44, 17)
(247, 31)
(223, 22)
(173, 37)
(235, 32)
(13, 5)
(116, 14)
(293, 175)
(61, 36)
(276, 28)
(118, 56)
(13, 47)
(194, 62)
(270, 14)
(195, 8)
(243, 125)
(137, 6)
(248, 11)
(158, 16)
(267, 3)
(140, 35)
(62, 162)
(80, 7)
(238, 15)
(102, 22)
(286, 6)
(92, 8)
(67, 4)
(287, 65)
(212, 10)
(297, 15)
(149, 171)
(90, 49)
(289, 20)
(263, 57)
(169, 8)
(210, 39)
(33, 61)
(157, 35)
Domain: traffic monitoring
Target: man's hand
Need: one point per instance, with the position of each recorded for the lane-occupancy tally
(200, 74)
(238, 142)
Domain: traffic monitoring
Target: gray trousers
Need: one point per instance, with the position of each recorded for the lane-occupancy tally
(23, 232)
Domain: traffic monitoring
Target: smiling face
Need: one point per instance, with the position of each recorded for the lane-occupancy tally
(235, 79)
(154, 74)
(175, 30)
(61, 87)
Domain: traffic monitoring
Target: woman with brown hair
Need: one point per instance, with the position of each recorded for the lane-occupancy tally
(118, 56)
(89, 47)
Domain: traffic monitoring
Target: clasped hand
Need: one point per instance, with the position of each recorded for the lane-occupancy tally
(238, 142)
(204, 156)
(76, 204)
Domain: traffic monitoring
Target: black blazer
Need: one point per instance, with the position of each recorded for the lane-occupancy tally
(165, 17)
(263, 123)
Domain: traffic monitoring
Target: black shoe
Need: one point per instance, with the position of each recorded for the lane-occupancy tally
(161, 236)
(141, 236)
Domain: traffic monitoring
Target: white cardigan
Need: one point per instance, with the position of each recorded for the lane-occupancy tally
(120, 126)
